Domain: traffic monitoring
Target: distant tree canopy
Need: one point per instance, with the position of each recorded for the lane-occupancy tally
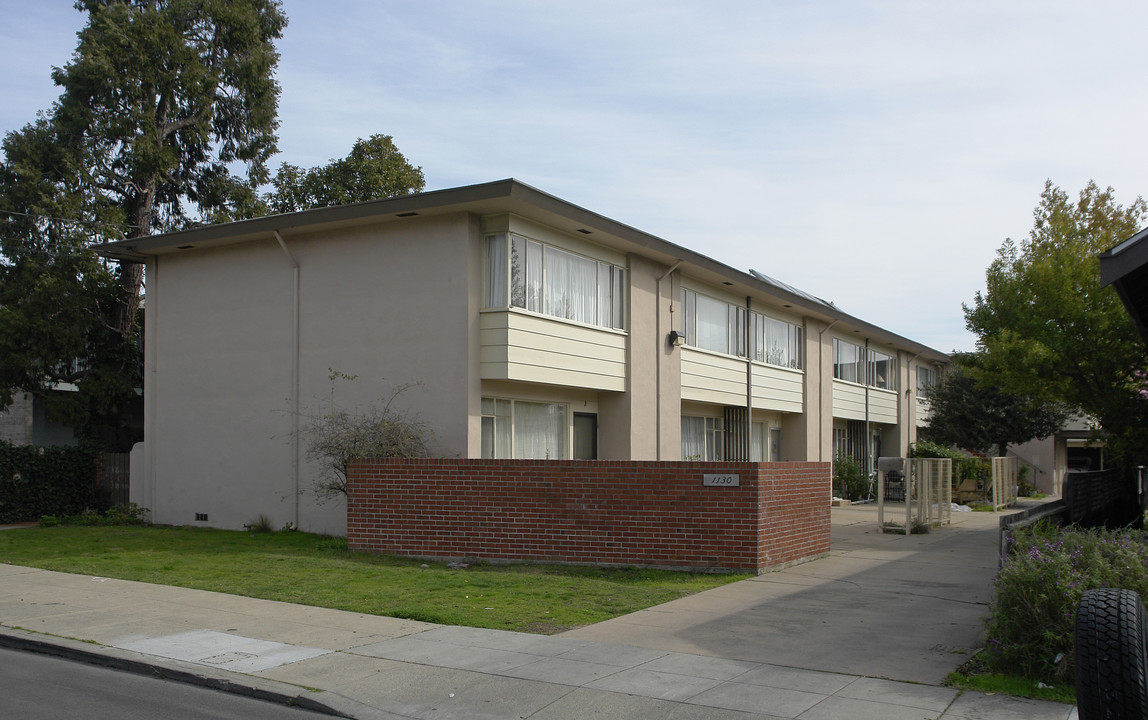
(1047, 331)
(374, 169)
(982, 418)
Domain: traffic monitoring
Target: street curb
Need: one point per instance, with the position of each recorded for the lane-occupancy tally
(165, 669)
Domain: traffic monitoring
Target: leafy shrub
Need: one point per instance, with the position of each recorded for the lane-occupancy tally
(849, 480)
(335, 437)
(1037, 591)
(37, 481)
(261, 524)
(130, 514)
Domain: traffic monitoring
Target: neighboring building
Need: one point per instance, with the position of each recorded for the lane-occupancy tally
(1073, 447)
(535, 328)
(25, 422)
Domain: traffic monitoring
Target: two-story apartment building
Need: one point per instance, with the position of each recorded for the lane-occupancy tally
(533, 329)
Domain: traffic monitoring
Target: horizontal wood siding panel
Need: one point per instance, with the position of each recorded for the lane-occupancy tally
(515, 346)
(848, 401)
(712, 378)
(883, 406)
(778, 389)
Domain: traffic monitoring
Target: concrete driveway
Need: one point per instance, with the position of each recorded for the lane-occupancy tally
(909, 608)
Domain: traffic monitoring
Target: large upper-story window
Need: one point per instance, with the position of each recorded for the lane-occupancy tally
(847, 361)
(882, 370)
(776, 342)
(720, 326)
(926, 378)
(549, 280)
(849, 364)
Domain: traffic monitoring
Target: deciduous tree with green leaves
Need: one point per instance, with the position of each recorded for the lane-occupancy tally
(374, 169)
(1047, 330)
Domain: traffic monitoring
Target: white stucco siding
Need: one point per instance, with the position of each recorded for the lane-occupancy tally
(713, 378)
(777, 388)
(387, 304)
(517, 346)
(849, 403)
(220, 380)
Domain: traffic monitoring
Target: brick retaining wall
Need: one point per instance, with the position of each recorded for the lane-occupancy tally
(602, 512)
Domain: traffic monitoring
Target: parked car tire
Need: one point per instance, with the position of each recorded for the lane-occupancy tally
(1111, 640)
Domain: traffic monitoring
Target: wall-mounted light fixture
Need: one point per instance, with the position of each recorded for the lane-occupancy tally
(676, 338)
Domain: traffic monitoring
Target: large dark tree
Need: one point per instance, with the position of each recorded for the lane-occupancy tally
(1047, 330)
(980, 417)
(161, 101)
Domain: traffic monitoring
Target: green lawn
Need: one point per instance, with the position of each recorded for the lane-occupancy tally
(316, 570)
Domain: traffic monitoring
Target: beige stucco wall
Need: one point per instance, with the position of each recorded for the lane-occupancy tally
(644, 421)
(220, 414)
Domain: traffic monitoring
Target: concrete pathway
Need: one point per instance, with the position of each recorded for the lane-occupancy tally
(739, 652)
(908, 608)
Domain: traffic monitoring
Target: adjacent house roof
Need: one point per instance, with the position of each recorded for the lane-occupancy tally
(1126, 267)
(506, 196)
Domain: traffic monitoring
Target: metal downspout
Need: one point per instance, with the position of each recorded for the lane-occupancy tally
(911, 395)
(868, 449)
(821, 390)
(662, 333)
(150, 347)
(749, 385)
(295, 410)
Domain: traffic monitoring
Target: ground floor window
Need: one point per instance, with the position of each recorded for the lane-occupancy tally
(764, 443)
(702, 438)
(524, 430)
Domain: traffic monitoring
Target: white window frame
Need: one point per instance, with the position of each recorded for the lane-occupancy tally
(524, 281)
(726, 327)
(767, 332)
(510, 441)
(712, 436)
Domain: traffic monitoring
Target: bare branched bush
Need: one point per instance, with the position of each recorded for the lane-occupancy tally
(336, 437)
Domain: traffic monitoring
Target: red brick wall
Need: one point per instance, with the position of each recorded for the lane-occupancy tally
(591, 512)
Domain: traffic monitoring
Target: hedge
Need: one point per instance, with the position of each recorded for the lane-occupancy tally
(37, 481)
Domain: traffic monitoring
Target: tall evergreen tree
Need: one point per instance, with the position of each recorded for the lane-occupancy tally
(160, 101)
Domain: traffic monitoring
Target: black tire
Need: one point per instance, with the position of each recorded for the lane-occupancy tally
(1111, 639)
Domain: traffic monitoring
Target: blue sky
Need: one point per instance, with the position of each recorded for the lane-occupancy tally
(875, 154)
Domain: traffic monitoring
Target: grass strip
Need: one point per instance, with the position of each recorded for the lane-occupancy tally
(318, 570)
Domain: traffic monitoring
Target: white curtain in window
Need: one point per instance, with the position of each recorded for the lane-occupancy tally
(540, 431)
(777, 342)
(847, 364)
(571, 286)
(712, 324)
(757, 442)
(693, 438)
(534, 276)
(495, 271)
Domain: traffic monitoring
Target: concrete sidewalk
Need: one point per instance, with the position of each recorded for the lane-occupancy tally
(769, 647)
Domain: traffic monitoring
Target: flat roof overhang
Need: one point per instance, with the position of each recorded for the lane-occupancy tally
(506, 196)
(1125, 267)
